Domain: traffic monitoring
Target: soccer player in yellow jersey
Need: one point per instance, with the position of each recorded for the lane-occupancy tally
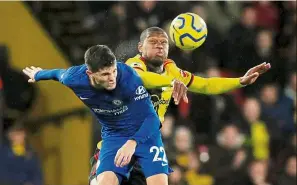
(153, 57)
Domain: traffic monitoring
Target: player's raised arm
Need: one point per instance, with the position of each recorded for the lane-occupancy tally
(36, 74)
(217, 85)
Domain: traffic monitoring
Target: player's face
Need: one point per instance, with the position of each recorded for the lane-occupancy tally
(106, 77)
(155, 48)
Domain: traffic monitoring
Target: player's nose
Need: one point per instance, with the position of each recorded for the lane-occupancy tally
(159, 45)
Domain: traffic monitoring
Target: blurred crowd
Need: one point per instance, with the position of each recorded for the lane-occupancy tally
(245, 137)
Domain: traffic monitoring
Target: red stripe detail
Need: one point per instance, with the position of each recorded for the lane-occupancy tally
(191, 81)
(138, 68)
(141, 58)
(168, 62)
(1, 84)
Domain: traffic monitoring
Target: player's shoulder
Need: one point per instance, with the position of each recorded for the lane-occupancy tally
(170, 66)
(125, 70)
(169, 62)
(136, 62)
(74, 75)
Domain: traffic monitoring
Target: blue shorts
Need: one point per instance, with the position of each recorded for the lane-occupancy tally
(150, 155)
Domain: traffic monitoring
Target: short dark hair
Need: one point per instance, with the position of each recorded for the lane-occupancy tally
(150, 30)
(98, 57)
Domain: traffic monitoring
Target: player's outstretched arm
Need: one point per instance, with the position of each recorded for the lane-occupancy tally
(153, 80)
(36, 74)
(216, 85)
(222, 85)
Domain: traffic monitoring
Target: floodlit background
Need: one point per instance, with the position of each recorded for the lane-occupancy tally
(246, 137)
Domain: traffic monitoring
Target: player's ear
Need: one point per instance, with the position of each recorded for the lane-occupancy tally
(88, 72)
(140, 47)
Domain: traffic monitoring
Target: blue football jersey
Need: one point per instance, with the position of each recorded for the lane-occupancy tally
(121, 111)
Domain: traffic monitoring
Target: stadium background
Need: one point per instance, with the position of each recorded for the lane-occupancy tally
(244, 137)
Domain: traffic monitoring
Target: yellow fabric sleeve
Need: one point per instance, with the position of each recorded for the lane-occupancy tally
(213, 85)
(203, 85)
(152, 80)
(181, 75)
(149, 79)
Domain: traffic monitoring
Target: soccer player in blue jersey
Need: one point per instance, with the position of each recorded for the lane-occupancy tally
(116, 94)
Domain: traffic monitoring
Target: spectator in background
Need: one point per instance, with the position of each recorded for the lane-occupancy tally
(1, 111)
(144, 14)
(267, 15)
(183, 143)
(209, 111)
(19, 164)
(285, 153)
(19, 94)
(289, 175)
(264, 51)
(239, 41)
(228, 158)
(167, 130)
(210, 48)
(117, 18)
(277, 107)
(290, 90)
(259, 136)
(257, 173)
(287, 32)
(177, 177)
(194, 175)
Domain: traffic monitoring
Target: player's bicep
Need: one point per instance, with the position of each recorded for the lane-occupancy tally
(66, 77)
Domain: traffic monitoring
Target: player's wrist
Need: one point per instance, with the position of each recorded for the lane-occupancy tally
(132, 142)
(241, 82)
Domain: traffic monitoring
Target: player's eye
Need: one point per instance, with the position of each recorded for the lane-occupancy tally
(105, 74)
(153, 42)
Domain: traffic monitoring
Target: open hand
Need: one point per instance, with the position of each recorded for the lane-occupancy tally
(125, 153)
(179, 91)
(252, 74)
(31, 72)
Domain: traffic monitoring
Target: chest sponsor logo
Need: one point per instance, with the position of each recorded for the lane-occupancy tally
(115, 111)
(141, 93)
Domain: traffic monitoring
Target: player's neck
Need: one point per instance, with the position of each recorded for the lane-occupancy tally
(154, 68)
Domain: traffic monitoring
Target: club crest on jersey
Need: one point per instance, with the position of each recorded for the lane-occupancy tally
(117, 102)
(136, 64)
(183, 73)
(140, 90)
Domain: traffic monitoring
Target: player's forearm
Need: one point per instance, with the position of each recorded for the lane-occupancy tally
(149, 127)
(54, 74)
(214, 85)
(152, 80)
